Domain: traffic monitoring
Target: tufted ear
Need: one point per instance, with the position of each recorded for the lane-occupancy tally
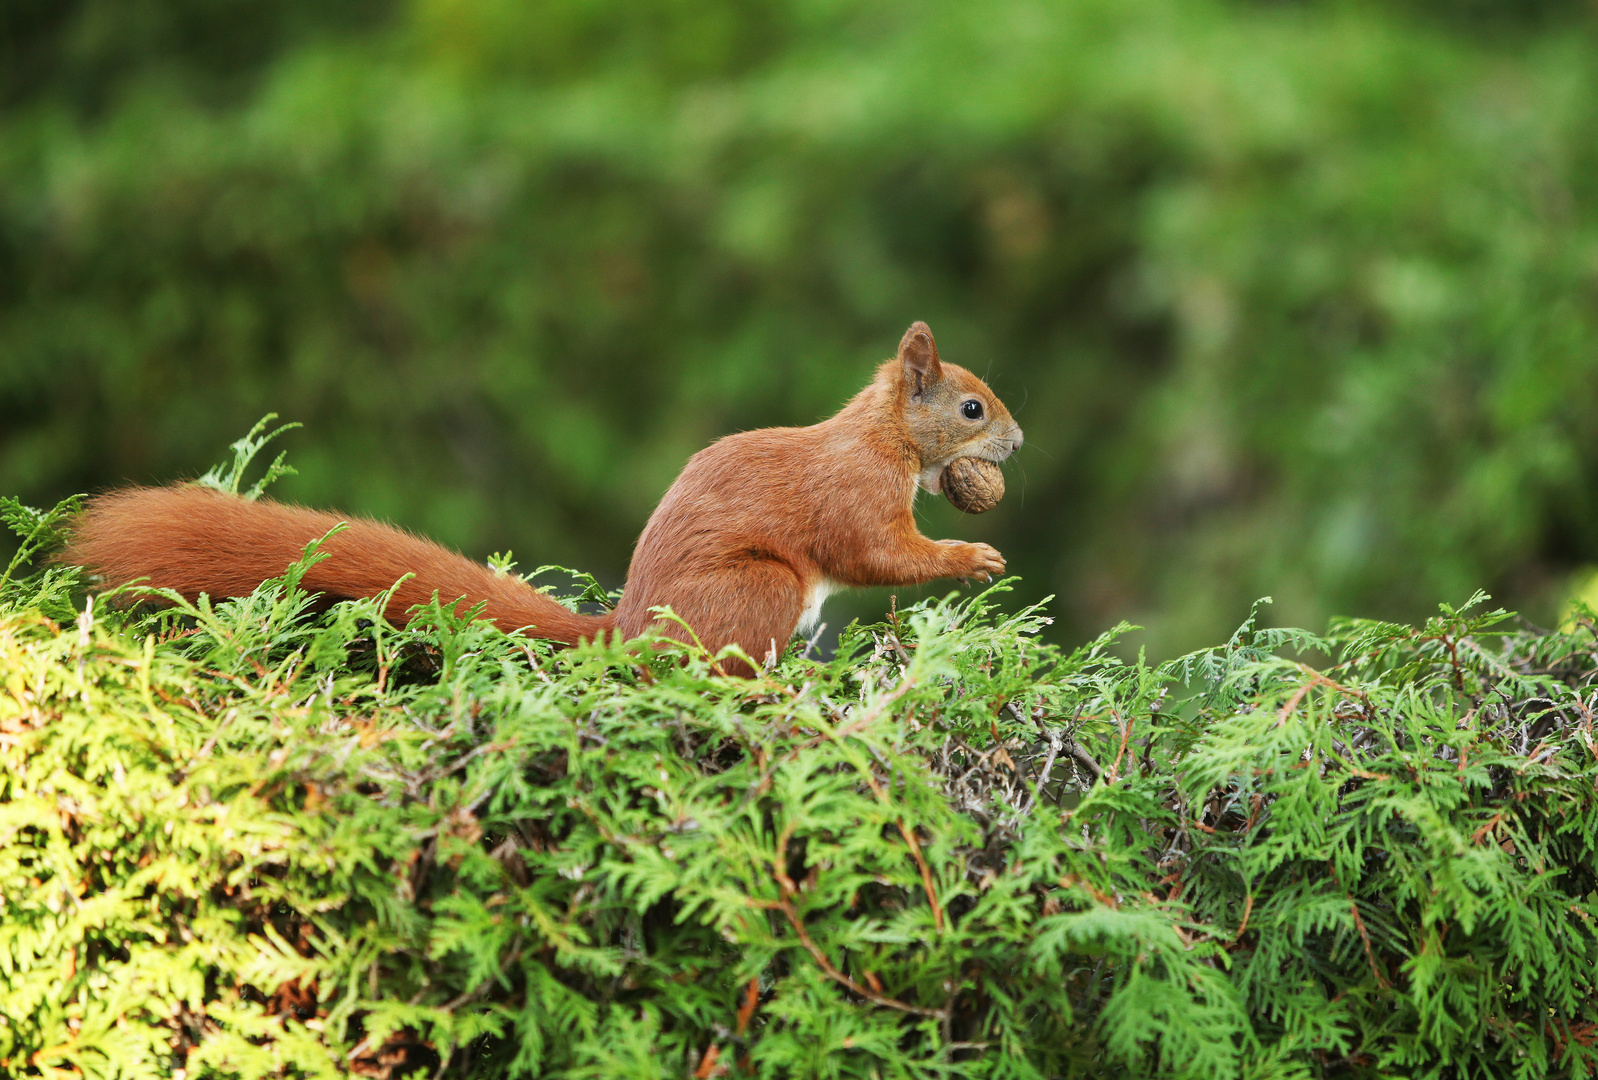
(918, 358)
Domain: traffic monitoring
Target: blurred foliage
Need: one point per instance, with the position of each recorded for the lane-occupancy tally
(1290, 297)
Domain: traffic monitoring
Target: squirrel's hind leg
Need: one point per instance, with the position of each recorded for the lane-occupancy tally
(754, 603)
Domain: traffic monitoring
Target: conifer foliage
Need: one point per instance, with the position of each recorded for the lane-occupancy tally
(243, 839)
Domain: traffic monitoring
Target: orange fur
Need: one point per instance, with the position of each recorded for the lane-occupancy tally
(753, 529)
(195, 540)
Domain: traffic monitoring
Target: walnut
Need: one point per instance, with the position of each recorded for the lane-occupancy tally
(972, 484)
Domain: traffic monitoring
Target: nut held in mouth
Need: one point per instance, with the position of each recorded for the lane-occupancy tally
(973, 485)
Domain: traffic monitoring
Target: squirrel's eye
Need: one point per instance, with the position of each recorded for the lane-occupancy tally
(971, 410)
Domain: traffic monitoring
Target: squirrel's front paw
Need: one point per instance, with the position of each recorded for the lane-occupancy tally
(976, 560)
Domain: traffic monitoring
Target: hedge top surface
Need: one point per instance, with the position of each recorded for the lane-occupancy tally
(243, 840)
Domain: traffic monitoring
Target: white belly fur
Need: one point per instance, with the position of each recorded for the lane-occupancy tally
(813, 598)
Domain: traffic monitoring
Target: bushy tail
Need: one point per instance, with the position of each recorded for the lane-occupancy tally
(195, 540)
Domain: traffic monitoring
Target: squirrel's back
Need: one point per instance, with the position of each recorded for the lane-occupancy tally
(194, 540)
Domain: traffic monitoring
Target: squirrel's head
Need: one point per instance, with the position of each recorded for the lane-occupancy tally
(949, 412)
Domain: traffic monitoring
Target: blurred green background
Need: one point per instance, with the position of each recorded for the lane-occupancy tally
(1297, 298)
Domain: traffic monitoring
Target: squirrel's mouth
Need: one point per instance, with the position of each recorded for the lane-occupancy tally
(997, 449)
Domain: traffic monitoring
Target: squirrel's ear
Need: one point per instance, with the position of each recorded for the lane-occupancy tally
(918, 357)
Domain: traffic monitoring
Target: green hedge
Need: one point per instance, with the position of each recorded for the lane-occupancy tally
(244, 840)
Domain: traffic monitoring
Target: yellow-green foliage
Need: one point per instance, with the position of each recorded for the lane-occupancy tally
(132, 906)
(246, 840)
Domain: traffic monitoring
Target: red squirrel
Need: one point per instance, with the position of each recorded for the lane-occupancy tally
(749, 540)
